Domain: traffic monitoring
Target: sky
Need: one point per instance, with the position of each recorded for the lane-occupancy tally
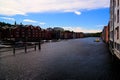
(88, 16)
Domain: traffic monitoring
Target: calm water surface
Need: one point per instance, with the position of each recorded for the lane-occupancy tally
(77, 59)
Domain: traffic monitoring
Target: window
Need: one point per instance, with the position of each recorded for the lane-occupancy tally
(117, 46)
(117, 16)
(111, 34)
(117, 32)
(114, 17)
(114, 3)
(118, 3)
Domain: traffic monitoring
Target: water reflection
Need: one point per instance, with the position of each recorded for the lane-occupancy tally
(79, 59)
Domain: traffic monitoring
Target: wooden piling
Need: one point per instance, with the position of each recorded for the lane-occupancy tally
(14, 49)
(39, 45)
(25, 47)
(35, 46)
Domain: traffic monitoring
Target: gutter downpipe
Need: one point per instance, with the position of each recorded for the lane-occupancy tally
(113, 28)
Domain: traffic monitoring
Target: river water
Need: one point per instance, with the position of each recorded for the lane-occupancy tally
(75, 59)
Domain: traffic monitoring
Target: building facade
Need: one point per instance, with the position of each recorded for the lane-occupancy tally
(105, 34)
(115, 27)
(35, 33)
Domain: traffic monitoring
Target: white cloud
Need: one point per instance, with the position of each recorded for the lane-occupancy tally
(77, 12)
(29, 20)
(42, 23)
(99, 26)
(8, 18)
(34, 21)
(81, 29)
(22, 7)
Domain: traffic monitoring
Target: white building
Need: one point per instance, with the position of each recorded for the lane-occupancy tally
(115, 27)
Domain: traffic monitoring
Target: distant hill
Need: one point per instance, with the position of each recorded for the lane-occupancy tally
(5, 24)
(93, 34)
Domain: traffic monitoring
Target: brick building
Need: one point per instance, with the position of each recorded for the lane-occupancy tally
(105, 34)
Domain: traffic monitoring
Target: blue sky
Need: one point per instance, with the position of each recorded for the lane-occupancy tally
(75, 15)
